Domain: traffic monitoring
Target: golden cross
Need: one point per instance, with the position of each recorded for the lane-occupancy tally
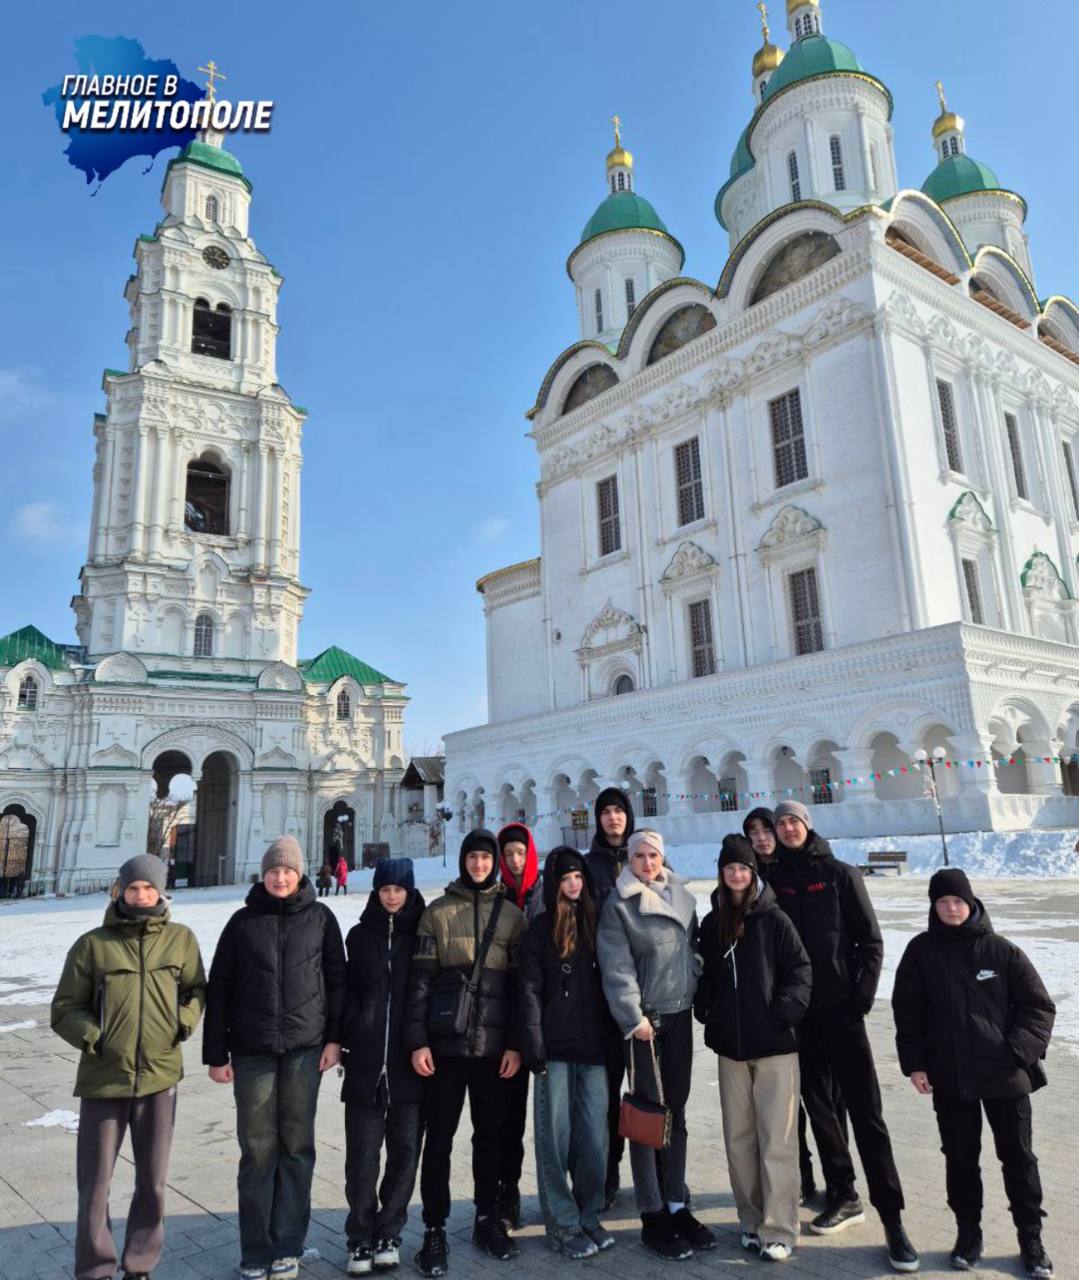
(940, 94)
(212, 71)
(764, 20)
(617, 122)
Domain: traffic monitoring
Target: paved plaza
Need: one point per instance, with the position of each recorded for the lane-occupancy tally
(37, 1070)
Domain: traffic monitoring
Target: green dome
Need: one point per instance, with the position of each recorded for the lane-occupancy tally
(212, 158)
(743, 157)
(959, 176)
(623, 211)
(811, 56)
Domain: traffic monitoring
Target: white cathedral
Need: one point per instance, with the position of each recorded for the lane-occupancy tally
(190, 600)
(807, 526)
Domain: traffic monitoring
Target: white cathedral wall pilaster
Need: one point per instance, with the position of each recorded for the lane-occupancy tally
(259, 521)
(1010, 604)
(242, 529)
(276, 507)
(1046, 428)
(159, 436)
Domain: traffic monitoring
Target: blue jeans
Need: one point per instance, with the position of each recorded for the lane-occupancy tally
(570, 1112)
(276, 1096)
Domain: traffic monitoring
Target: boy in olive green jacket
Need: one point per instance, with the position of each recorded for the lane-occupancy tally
(130, 993)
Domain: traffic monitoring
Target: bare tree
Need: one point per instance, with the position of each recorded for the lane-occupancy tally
(166, 815)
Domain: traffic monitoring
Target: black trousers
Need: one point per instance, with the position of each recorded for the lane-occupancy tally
(805, 1156)
(515, 1117)
(616, 1144)
(960, 1125)
(836, 1047)
(444, 1097)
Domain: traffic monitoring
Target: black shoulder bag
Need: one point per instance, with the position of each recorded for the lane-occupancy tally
(454, 997)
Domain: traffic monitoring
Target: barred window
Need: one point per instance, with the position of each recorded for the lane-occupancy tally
(949, 425)
(839, 177)
(621, 182)
(1069, 467)
(631, 297)
(27, 694)
(792, 173)
(788, 439)
(701, 644)
(805, 611)
(1015, 449)
(819, 780)
(344, 705)
(728, 795)
(974, 592)
(211, 208)
(687, 479)
(204, 636)
(610, 525)
(649, 802)
(599, 311)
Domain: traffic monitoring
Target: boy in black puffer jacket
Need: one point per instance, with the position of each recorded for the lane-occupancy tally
(972, 1023)
(381, 1093)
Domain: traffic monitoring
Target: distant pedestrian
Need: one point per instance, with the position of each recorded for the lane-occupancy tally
(753, 993)
(973, 1021)
(381, 1093)
(324, 879)
(340, 874)
(273, 1025)
(130, 993)
(563, 1041)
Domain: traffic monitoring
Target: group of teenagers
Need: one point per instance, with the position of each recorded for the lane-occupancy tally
(579, 983)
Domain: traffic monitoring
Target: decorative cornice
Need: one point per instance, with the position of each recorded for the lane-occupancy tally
(515, 582)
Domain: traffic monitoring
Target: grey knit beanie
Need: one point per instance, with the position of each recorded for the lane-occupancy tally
(144, 866)
(284, 852)
(646, 836)
(794, 809)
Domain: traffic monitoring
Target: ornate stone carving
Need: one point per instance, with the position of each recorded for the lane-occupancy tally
(114, 756)
(120, 668)
(609, 626)
(279, 676)
(1041, 580)
(968, 510)
(791, 525)
(688, 561)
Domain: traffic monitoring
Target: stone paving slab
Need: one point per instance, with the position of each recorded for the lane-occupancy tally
(37, 1199)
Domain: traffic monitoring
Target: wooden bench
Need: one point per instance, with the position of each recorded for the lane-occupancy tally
(881, 860)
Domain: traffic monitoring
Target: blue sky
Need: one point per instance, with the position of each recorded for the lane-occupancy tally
(429, 169)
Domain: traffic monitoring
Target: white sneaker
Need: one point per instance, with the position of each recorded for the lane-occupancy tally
(776, 1252)
(750, 1240)
(388, 1252)
(285, 1269)
(359, 1261)
(253, 1273)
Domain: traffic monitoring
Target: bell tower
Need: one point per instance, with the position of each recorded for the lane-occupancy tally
(194, 545)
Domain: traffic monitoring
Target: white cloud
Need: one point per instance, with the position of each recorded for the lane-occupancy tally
(491, 529)
(42, 524)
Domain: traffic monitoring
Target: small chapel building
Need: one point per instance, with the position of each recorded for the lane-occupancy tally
(186, 661)
(810, 527)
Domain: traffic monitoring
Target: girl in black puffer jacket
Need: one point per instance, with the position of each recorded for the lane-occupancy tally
(563, 1040)
(754, 991)
(972, 1023)
(381, 1093)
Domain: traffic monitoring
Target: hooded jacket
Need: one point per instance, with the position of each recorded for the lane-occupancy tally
(827, 901)
(528, 897)
(971, 1011)
(278, 978)
(605, 860)
(130, 993)
(753, 995)
(379, 954)
(563, 1012)
(647, 950)
(447, 941)
(764, 865)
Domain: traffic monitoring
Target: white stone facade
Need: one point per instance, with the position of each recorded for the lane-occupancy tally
(845, 527)
(191, 597)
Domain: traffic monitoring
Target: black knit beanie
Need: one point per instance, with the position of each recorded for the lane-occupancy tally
(951, 882)
(483, 841)
(736, 848)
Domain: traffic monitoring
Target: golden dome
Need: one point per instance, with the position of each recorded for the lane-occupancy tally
(947, 121)
(798, 4)
(767, 58)
(619, 158)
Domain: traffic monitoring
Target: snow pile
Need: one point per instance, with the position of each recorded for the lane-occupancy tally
(17, 1026)
(66, 1120)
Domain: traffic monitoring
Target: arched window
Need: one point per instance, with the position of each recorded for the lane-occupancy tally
(211, 209)
(792, 173)
(599, 310)
(631, 297)
(27, 694)
(206, 499)
(624, 684)
(835, 148)
(211, 330)
(621, 182)
(204, 636)
(344, 705)
(761, 88)
(612, 184)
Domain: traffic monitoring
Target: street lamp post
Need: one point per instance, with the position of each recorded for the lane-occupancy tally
(924, 758)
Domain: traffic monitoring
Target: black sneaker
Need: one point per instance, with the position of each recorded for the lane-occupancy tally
(577, 1245)
(434, 1258)
(658, 1235)
(838, 1216)
(694, 1233)
(967, 1250)
(359, 1261)
(387, 1252)
(489, 1234)
(509, 1208)
(1032, 1252)
(600, 1237)
(901, 1253)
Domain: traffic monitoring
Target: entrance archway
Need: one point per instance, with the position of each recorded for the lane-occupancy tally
(18, 830)
(215, 820)
(170, 827)
(339, 834)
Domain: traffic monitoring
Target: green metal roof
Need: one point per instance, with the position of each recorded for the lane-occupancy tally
(333, 663)
(743, 157)
(29, 642)
(622, 211)
(959, 176)
(222, 677)
(211, 158)
(808, 57)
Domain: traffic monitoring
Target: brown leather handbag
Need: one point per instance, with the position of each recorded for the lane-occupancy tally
(640, 1119)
